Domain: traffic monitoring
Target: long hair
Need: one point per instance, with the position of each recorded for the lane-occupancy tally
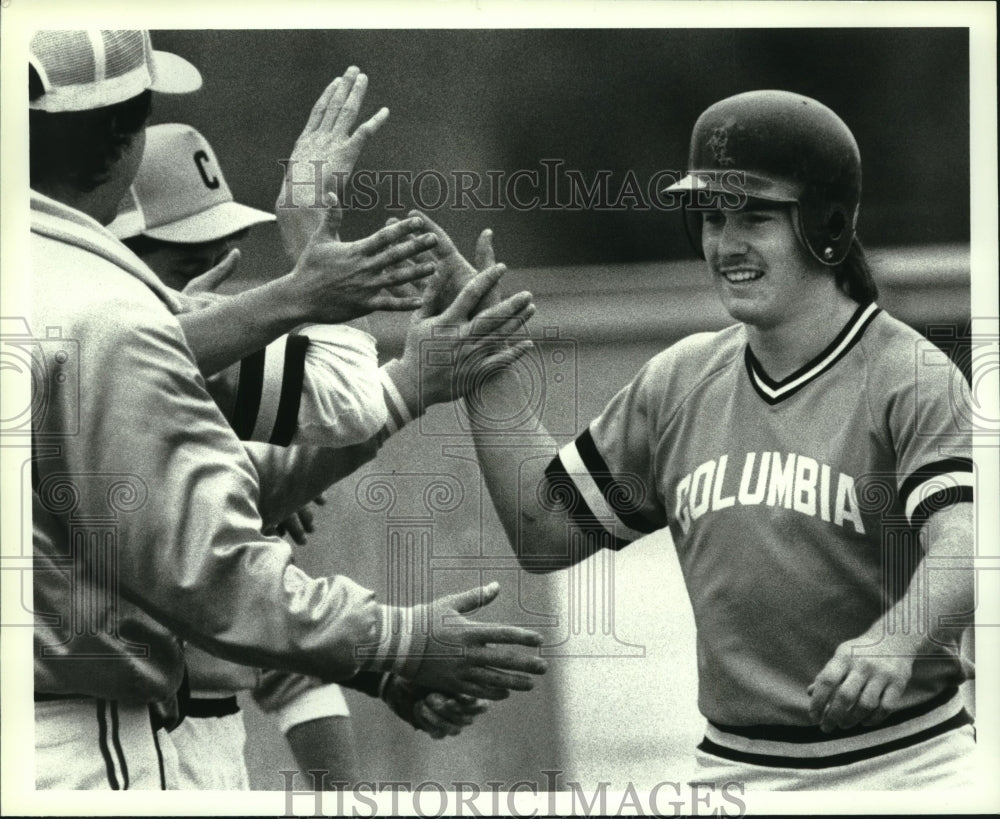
(78, 148)
(854, 275)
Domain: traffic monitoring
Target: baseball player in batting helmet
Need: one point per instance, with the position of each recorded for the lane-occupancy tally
(799, 470)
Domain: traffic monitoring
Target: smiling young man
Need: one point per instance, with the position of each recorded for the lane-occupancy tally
(806, 464)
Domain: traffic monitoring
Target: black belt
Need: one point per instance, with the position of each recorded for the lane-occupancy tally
(203, 707)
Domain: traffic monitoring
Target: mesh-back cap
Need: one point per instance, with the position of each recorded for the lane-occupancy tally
(82, 70)
(179, 193)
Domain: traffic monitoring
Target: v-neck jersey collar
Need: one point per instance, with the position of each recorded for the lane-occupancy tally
(775, 391)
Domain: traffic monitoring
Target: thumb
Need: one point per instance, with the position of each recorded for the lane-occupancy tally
(485, 256)
(332, 218)
(468, 601)
(210, 280)
(432, 296)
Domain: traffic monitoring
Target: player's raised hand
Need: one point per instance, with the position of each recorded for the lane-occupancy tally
(453, 268)
(473, 345)
(326, 139)
(437, 714)
(476, 659)
(335, 281)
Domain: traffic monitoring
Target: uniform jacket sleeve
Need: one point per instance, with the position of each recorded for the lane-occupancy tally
(190, 549)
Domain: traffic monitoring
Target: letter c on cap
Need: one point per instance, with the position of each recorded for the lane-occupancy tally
(200, 158)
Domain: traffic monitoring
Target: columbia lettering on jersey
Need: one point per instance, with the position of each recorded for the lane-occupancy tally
(793, 481)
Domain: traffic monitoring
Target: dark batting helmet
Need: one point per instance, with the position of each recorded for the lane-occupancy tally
(778, 146)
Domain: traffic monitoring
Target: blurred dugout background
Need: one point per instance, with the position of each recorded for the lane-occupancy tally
(613, 287)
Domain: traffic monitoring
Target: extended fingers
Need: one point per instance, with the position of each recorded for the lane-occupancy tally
(473, 291)
(337, 99)
(320, 106)
(499, 679)
(370, 127)
(445, 244)
(389, 235)
(483, 633)
(503, 320)
(508, 658)
(484, 250)
(352, 106)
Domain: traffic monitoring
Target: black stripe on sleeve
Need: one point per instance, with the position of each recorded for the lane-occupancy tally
(367, 682)
(247, 403)
(932, 470)
(560, 492)
(620, 496)
(116, 739)
(293, 374)
(941, 499)
(102, 743)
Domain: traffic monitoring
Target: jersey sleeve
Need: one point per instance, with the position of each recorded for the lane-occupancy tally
(296, 698)
(605, 477)
(290, 477)
(932, 435)
(190, 549)
(318, 386)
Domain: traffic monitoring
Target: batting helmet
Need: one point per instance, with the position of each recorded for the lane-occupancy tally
(778, 146)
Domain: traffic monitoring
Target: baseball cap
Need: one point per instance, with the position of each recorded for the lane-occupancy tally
(180, 194)
(83, 70)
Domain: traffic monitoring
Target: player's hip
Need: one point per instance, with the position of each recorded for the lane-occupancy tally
(930, 742)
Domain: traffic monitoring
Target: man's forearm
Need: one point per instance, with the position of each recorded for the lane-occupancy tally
(942, 588)
(231, 328)
(538, 535)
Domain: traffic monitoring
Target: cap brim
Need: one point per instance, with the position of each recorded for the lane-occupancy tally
(217, 222)
(173, 74)
(127, 224)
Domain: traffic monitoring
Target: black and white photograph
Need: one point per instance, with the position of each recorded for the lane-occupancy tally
(483, 408)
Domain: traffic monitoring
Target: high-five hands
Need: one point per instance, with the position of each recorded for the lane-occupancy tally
(474, 344)
(476, 659)
(335, 281)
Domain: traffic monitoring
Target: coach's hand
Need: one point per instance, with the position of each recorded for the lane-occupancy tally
(326, 139)
(447, 354)
(476, 659)
(335, 281)
(437, 714)
(454, 270)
